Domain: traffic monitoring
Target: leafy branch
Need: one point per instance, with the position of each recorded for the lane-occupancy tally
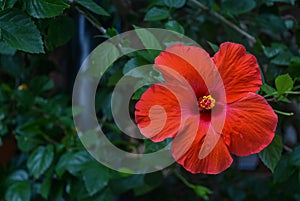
(224, 20)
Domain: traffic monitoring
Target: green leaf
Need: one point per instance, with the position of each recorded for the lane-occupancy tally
(46, 185)
(283, 83)
(72, 162)
(151, 146)
(40, 160)
(18, 175)
(27, 140)
(274, 49)
(6, 49)
(271, 155)
(122, 185)
(95, 177)
(294, 67)
(19, 191)
(174, 26)
(133, 63)
(151, 181)
(267, 89)
(45, 8)
(9, 3)
(271, 2)
(20, 32)
(14, 65)
(41, 84)
(92, 6)
(295, 157)
(213, 46)
(175, 3)
(155, 14)
(60, 31)
(105, 195)
(283, 171)
(149, 41)
(238, 7)
(271, 24)
(282, 59)
(202, 191)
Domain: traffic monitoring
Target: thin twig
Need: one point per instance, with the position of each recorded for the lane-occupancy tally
(223, 19)
(92, 20)
(288, 149)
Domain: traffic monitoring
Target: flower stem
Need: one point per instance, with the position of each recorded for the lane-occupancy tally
(284, 113)
(179, 176)
(292, 92)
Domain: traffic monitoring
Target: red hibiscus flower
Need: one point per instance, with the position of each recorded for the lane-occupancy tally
(208, 106)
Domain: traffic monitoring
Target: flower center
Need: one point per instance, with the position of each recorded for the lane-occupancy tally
(206, 102)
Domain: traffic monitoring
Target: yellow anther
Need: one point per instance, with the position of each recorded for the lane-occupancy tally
(207, 102)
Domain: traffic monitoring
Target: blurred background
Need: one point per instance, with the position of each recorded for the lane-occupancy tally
(42, 46)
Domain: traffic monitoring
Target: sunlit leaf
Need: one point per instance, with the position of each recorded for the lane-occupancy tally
(284, 83)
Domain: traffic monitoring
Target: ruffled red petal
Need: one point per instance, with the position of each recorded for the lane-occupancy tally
(162, 108)
(239, 71)
(188, 154)
(192, 63)
(158, 113)
(250, 125)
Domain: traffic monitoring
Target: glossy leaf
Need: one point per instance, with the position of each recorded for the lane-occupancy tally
(133, 63)
(45, 8)
(46, 185)
(156, 146)
(28, 140)
(6, 49)
(271, 2)
(175, 3)
(92, 6)
(274, 49)
(19, 191)
(271, 24)
(72, 162)
(283, 59)
(20, 32)
(8, 3)
(238, 7)
(174, 26)
(40, 160)
(271, 155)
(155, 14)
(19, 175)
(95, 177)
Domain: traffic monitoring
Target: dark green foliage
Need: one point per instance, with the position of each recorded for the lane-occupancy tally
(51, 163)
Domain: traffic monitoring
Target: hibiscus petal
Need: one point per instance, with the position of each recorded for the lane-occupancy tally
(191, 62)
(239, 71)
(250, 125)
(162, 108)
(188, 153)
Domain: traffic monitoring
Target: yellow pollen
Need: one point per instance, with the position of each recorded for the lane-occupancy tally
(22, 87)
(207, 102)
